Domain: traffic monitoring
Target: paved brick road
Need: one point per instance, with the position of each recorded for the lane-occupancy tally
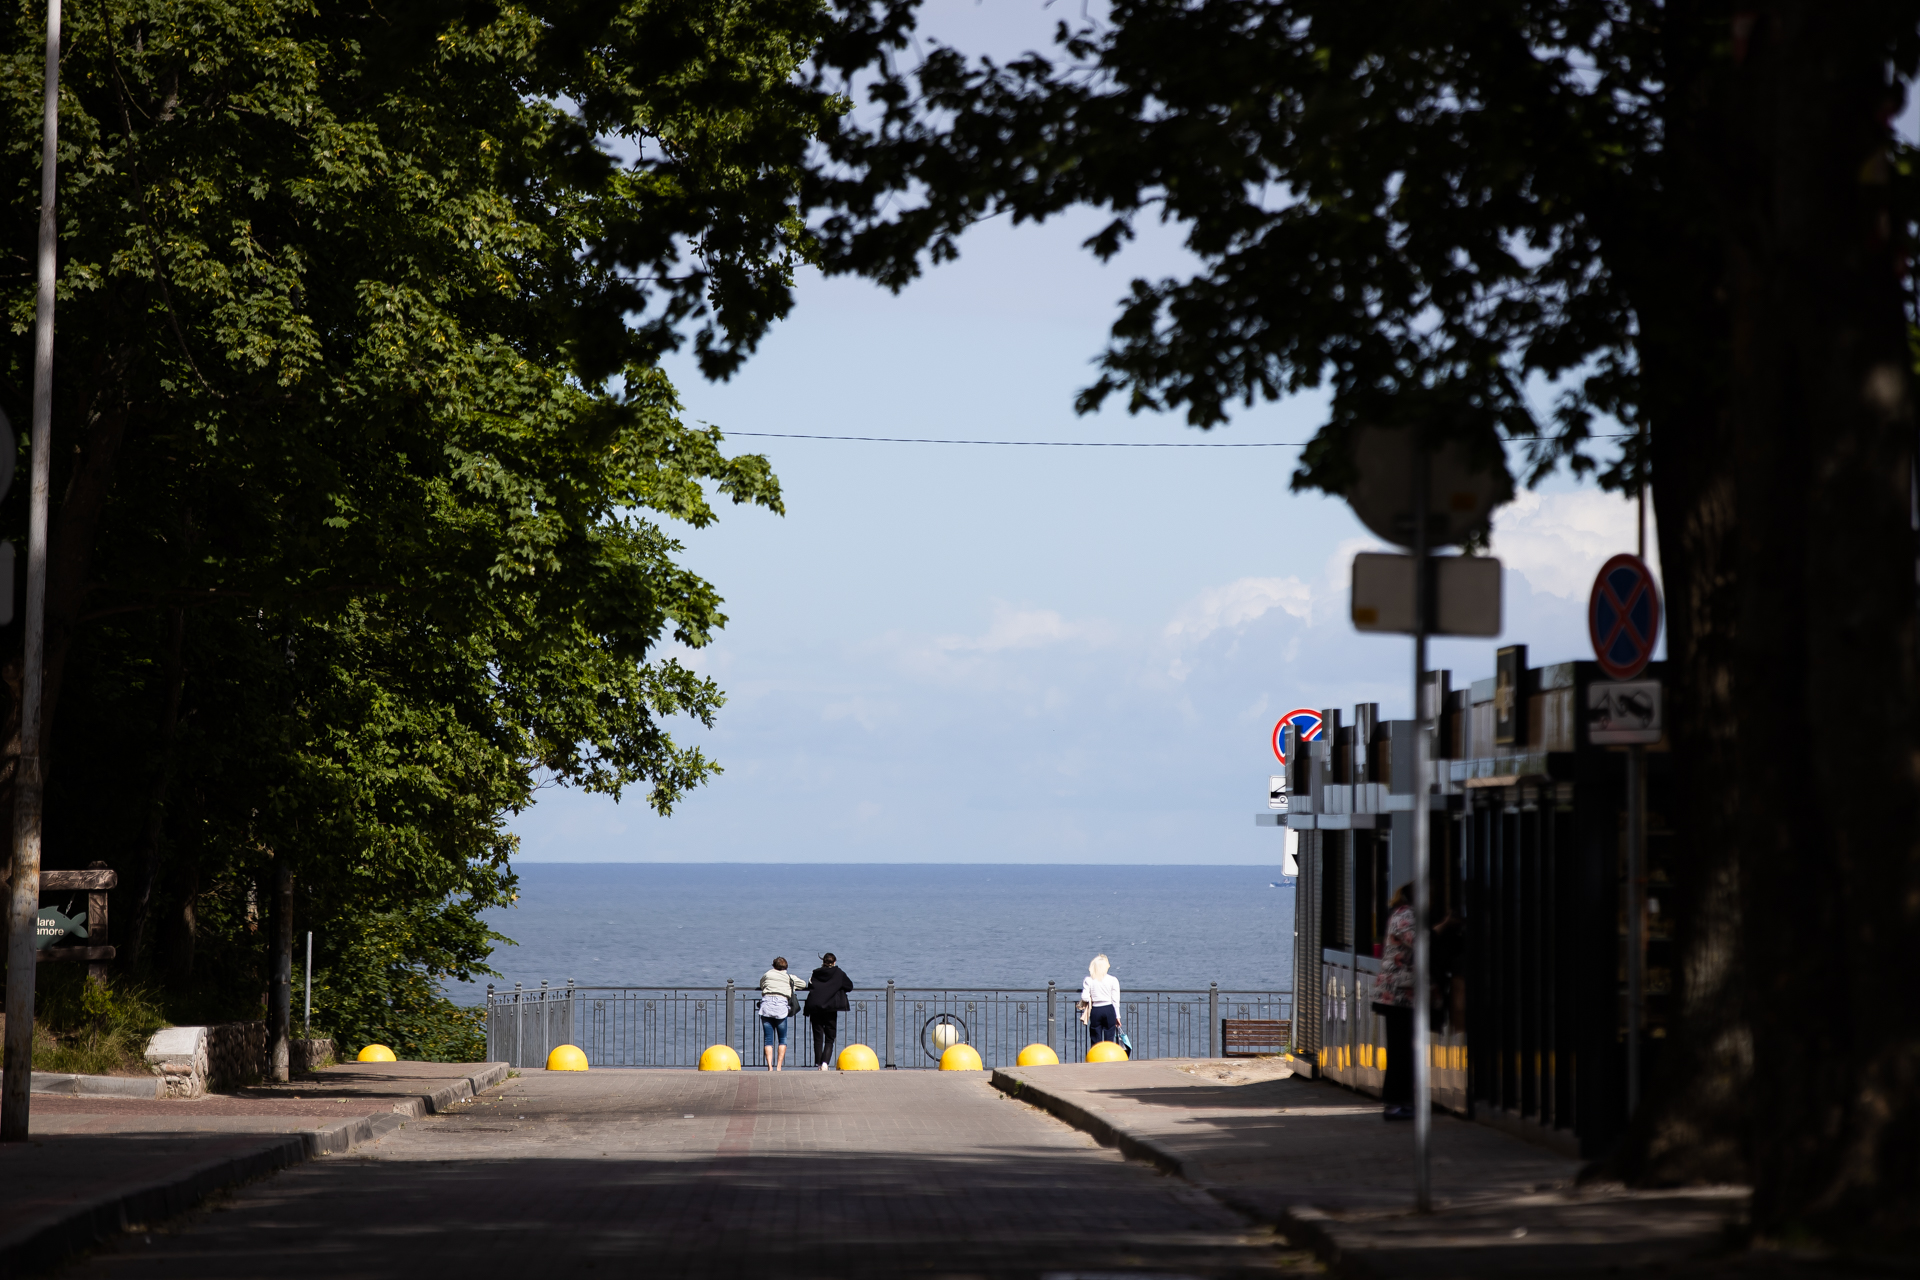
(662, 1174)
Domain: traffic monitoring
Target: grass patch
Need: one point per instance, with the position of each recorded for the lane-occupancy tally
(87, 1027)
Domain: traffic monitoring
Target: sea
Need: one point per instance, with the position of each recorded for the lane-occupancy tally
(923, 925)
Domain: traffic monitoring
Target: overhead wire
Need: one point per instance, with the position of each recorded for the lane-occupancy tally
(1058, 444)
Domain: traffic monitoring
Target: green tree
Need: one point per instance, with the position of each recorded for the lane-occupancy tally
(362, 457)
(1693, 219)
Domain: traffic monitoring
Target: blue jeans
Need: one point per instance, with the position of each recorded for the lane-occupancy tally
(1103, 1023)
(773, 1030)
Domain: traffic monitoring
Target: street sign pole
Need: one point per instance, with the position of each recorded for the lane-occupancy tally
(1623, 620)
(1636, 915)
(1422, 977)
(23, 910)
(1637, 858)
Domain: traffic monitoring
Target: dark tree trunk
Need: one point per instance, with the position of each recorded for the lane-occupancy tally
(280, 992)
(1829, 839)
(153, 839)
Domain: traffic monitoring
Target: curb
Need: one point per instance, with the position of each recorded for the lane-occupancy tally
(41, 1247)
(61, 1084)
(1305, 1226)
(1099, 1128)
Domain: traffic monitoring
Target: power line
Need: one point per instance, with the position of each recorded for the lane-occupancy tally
(1035, 444)
(1062, 444)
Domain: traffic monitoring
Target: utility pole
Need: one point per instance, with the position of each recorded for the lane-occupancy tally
(24, 909)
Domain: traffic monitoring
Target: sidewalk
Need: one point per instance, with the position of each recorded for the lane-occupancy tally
(1319, 1162)
(95, 1166)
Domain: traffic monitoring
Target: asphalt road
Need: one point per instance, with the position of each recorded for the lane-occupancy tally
(680, 1173)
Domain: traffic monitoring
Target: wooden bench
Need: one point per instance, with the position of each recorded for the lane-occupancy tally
(1254, 1037)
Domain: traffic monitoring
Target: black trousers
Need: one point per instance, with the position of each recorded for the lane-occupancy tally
(1397, 1089)
(826, 1029)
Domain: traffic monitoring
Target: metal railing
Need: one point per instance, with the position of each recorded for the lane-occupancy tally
(671, 1026)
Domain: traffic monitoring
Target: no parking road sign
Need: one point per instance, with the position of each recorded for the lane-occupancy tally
(1306, 721)
(1623, 616)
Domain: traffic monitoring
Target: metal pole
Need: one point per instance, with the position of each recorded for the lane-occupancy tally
(1636, 916)
(1053, 997)
(1213, 1019)
(1636, 858)
(1422, 977)
(306, 1023)
(24, 909)
(889, 1022)
(726, 1035)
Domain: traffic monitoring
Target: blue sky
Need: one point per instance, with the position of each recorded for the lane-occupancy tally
(976, 654)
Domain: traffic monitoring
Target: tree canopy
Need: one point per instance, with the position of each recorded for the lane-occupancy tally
(363, 461)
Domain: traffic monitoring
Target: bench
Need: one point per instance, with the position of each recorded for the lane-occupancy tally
(1254, 1037)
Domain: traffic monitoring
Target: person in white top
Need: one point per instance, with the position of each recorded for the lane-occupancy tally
(777, 988)
(1100, 1002)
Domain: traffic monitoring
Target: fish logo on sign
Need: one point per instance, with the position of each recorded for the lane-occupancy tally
(1623, 616)
(1306, 721)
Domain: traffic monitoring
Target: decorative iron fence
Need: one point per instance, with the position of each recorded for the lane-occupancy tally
(671, 1026)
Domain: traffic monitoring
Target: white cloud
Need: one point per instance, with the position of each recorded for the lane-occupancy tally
(868, 713)
(1236, 604)
(1558, 541)
(1012, 653)
(1025, 629)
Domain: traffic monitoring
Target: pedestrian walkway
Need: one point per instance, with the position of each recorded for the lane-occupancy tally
(95, 1165)
(1319, 1163)
(678, 1173)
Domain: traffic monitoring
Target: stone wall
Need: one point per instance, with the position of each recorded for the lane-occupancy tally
(228, 1055)
(305, 1055)
(236, 1054)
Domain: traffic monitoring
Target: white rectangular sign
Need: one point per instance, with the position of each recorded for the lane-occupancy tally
(1466, 594)
(1277, 792)
(1625, 713)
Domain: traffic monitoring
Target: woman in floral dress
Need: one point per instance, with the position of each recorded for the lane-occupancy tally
(1393, 999)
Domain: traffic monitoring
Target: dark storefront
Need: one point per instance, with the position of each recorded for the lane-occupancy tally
(1529, 858)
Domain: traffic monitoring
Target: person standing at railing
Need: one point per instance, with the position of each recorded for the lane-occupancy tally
(1100, 1002)
(776, 1006)
(826, 1001)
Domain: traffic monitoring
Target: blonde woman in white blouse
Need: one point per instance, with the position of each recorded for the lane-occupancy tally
(1100, 993)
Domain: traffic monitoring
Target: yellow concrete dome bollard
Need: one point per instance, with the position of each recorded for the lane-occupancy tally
(1038, 1055)
(567, 1057)
(718, 1057)
(857, 1057)
(961, 1057)
(377, 1053)
(1105, 1051)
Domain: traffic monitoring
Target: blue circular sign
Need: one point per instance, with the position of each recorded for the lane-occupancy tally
(1623, 616)
(1301, 718)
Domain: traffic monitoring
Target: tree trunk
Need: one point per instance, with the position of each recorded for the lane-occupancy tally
(1829, 840)
(280, 994)
(154, 838)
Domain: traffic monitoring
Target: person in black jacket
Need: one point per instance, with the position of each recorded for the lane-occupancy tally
(826, 1000)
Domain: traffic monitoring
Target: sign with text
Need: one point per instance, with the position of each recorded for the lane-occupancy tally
(1625, 713)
